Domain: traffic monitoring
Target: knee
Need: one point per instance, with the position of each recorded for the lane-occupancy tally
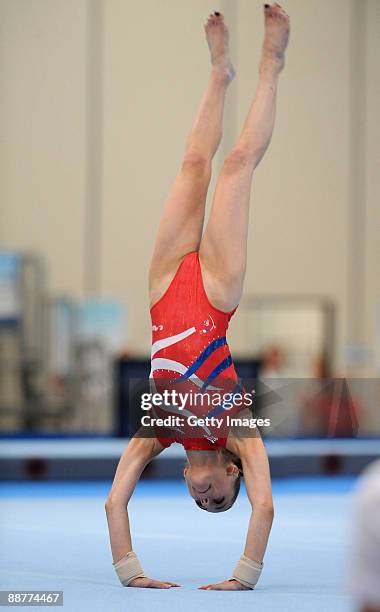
(238, 160)
(196, 163)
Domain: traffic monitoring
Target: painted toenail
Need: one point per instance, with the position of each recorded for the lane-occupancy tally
(266, 5)
(217, 14)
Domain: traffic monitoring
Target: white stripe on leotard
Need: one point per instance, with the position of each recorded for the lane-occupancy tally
(165, 342)
(174, 366)
(168, 364)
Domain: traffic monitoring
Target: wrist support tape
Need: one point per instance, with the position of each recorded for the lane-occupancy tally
(129, 568)
(247, 571)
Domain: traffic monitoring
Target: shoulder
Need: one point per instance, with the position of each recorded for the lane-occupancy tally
(242, 439)
(247, 447)
(144, 447)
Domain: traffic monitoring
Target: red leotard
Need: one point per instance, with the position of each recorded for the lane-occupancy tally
(189, 347)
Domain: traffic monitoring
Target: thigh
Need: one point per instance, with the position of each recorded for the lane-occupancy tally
(181, 223)
(223, 249)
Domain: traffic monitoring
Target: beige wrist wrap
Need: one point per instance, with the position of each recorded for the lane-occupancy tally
(129, 568)
(247, 571)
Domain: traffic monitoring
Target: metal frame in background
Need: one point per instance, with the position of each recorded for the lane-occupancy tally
(327, 307)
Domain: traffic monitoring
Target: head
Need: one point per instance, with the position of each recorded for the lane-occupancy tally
(214, 484)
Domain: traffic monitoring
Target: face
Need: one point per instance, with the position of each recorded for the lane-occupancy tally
(212, 487)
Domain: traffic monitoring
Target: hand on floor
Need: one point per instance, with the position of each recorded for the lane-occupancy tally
(227, 585)
(150, 583)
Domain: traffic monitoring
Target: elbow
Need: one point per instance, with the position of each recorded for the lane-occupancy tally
(111, 504)
(265, 508)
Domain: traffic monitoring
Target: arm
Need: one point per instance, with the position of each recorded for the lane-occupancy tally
(258, 484)
(136, 456)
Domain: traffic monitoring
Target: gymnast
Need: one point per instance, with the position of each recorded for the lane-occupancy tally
(195, 284)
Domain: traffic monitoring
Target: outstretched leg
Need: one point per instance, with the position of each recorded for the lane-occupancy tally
(223, 249)
(181, 223)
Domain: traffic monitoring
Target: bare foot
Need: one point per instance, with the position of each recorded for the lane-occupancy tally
(217, 39)
(277, 28)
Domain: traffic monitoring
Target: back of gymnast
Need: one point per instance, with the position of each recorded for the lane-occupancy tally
(195, 284)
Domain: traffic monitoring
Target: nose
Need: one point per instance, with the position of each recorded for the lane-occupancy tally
(204, 502)
(197, 490)
(200, 483)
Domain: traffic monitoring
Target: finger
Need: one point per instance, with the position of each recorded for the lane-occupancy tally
(210, 587)
(214, 587)
(140, 583)
(219, 586)
(156, 584)
(205, 586)
(174, 584)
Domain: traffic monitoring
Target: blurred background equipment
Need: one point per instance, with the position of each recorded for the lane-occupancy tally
(23, 339)
(57, 357)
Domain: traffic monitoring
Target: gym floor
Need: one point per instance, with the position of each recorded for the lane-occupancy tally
(54, 537)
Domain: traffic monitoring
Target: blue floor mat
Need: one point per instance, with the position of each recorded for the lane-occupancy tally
(54, 536)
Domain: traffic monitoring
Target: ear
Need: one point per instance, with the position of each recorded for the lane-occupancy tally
(185, 470)
(232, 469)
